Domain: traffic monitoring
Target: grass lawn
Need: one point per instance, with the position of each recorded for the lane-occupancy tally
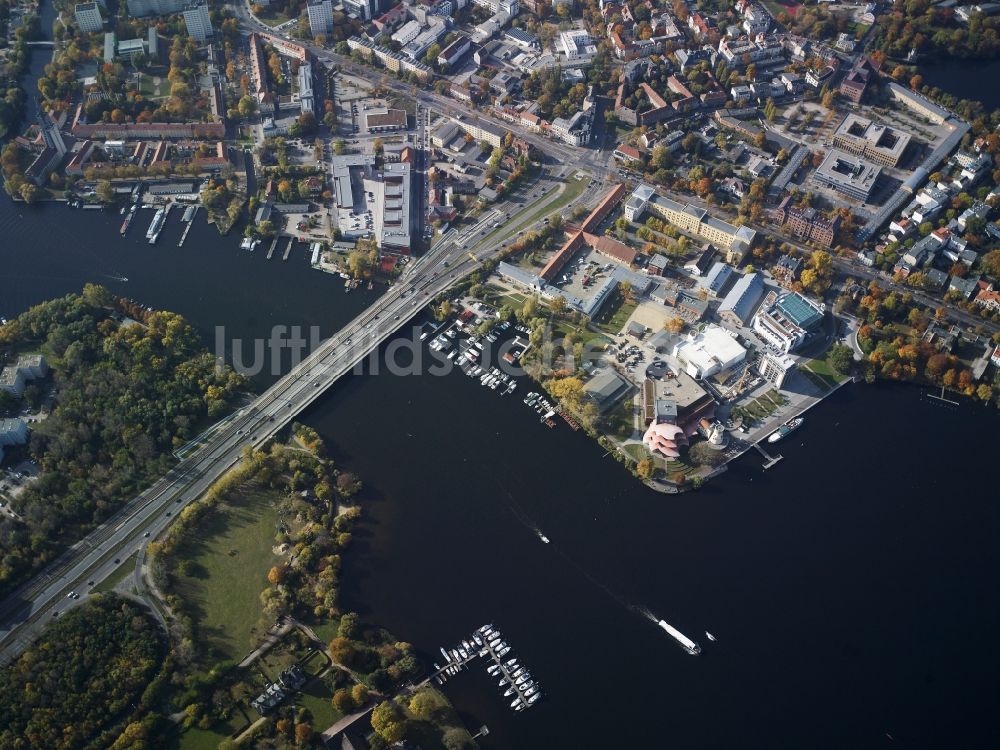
(818, 380)
(118, 576)
(764, 405)
(636, 451)
(316, 697)
(621, 422)
(232, 551)
(151, 90)
(826, 371)
(274, 20)
(573, 189)
(614, 314)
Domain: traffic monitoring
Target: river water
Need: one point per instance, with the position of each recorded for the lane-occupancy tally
(852, 588)
(966, 79)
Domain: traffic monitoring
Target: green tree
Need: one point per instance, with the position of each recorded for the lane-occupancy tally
(105, 192)
(841, 358)
(389, 722)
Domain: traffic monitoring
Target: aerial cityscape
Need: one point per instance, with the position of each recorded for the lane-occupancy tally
(422, 373)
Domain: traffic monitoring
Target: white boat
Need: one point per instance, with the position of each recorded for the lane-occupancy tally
(710, 636)
(510, 662)
(520, 707)
(503, 651)
(524, 678)
(542, 536)
(526, 685)
(518, 672)
(463, 653)
(787, 427)
(515, 703)
(531, 691)
(485, 628)
(503, 681)
(444, 654)
(534, 698)
(509, 692)
(492, 671)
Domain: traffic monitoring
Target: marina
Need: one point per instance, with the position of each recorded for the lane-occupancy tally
(487, 642)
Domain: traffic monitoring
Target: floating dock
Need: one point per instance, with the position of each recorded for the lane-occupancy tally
(288, 250)
(487, 642)
(274, 244)
(189, 214)
(769, 460)
(690, 646)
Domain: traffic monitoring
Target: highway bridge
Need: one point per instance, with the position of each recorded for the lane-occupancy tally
(103, 551)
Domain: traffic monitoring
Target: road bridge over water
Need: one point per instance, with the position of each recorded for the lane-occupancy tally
(24, 613)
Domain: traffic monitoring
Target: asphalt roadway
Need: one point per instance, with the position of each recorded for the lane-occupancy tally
(26, 611)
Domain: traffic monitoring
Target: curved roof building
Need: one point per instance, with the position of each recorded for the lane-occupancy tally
(665, 439)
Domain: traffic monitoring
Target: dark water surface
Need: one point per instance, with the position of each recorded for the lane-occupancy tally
(852, 588)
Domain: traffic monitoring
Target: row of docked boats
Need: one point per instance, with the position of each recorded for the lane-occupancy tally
(543, 408)
(515, 679)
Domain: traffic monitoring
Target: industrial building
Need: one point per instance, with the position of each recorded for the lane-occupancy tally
(738, 306)
(307, 100)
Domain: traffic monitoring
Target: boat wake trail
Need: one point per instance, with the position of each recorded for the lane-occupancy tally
(644, 612)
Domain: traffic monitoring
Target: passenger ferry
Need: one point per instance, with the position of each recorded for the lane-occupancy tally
(786, 428)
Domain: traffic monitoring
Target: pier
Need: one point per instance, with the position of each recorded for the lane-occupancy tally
(288, 250)
(189, 217)
(488, 643)
(769, 460)
(274, 244)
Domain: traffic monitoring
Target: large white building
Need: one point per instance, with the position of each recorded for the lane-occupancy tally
(709, 351)
(320, 16)
(199, 25)
(577, 44)
(88, 17)
(788, 322)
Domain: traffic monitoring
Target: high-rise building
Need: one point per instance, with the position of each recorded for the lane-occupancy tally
(88, 17)
(320, 16)
(141, 8)
(199, 25)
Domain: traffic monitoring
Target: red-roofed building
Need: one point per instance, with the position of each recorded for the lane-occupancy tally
(625, 152)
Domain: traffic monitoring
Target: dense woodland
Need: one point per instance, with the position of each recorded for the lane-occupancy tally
(126, 396)
(76, 684)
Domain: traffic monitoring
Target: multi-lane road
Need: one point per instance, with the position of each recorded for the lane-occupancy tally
(94, 558)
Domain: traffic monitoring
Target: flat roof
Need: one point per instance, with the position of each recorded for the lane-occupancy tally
(874, 135)
(845, 170)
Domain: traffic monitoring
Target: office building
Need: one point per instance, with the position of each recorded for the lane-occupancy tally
(876, 142)
(849, 175)
(320, 16)
(88, 17)
(734, 241)
(787, 323)
(142, 8)
(199, 25)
